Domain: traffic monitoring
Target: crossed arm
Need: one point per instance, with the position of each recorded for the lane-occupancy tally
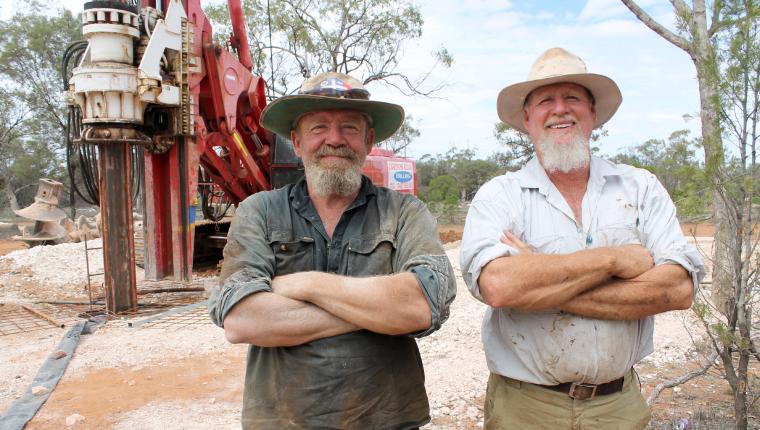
(616, 283)
(256, 306)
(306, 306)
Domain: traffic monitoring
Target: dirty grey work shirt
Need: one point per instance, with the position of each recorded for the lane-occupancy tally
(622, 205)
(358, 380)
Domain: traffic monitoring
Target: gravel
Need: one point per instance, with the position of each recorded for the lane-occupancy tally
(58, 265)
(456, 371)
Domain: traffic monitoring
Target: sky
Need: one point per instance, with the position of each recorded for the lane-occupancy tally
(495, 42)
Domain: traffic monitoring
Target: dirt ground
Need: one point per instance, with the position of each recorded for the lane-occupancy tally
(450, 233)
(189, 377)
(7, 246)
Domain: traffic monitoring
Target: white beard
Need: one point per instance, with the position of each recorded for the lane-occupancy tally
(564, 157)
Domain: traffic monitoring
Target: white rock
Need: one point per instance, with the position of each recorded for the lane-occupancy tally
(73, 420)
(472, 412)
(39, 390)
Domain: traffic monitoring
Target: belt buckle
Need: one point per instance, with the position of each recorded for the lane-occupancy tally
(581, 391)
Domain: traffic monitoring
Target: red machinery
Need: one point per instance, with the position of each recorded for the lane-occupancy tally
(151, 76)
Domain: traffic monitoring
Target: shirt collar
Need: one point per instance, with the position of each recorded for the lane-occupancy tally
(533, 175)
(299, 194)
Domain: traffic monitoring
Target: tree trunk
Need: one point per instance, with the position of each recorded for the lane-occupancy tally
(727, 210)
(12, 201)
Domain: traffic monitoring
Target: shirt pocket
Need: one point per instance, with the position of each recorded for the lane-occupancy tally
(371, 256)
(555, 244)
(618, 225)
(291, 254)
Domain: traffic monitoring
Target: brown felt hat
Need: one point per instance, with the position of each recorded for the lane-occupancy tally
(328, 91)
(555, 66)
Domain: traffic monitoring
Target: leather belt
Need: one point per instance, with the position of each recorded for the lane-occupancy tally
(580, 391)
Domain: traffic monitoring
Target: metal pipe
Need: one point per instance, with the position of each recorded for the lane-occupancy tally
(118, 237)
(238, 30)
(44, 316)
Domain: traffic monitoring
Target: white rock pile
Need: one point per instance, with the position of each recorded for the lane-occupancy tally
(58, 265)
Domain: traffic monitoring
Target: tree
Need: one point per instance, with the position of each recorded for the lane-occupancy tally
(31, 47)
(470, 173)
(519, 148)
(295, 39)
(402, 138)
(675, 164)
(444, 189)
(12, 115)
(723, 48)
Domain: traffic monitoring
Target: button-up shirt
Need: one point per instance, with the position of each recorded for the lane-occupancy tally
(361, 380)
(622, 205)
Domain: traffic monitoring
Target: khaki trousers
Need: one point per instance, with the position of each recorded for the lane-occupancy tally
(511, 404)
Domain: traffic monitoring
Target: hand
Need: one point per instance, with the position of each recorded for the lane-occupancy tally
(293, 286)
(632, 261)
(508, 238)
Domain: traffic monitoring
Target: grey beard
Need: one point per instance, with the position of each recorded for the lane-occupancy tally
(328, 182)
(564, 158)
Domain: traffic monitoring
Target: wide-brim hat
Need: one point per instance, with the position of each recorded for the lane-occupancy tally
(555, 66)
(330, 91)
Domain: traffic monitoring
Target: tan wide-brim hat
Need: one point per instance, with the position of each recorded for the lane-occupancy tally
(558, 66)
(330, 91)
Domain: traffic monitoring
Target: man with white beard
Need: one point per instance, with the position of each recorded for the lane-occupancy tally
(574, 255)
(330, 279)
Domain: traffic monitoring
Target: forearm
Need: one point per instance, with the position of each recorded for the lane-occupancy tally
(270, 320)
(663, 288)
(390, 304)
(543, 281)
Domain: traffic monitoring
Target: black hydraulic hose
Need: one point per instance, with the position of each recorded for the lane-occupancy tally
(86, 160)
(74, 48)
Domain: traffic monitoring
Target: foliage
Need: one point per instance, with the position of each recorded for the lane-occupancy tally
(402, 138)
(676, 166)
(519, 148)
(364, 38)
(470, 173)
(31, 110)
(723, 44)
(444, 189)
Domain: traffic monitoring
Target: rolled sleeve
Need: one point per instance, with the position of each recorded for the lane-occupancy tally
(486, 221)
(248, 265)
(664, 237)
(476, 260)
(420, 252)
(433, 272)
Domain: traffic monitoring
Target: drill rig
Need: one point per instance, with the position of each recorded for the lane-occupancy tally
(156, 101)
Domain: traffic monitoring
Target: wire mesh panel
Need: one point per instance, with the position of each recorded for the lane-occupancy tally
(192, 317)
(16, 319)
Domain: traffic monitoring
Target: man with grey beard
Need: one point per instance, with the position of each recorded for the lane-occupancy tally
(330, 279)
(573, 255)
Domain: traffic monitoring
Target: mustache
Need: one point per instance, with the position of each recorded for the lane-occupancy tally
(340, 151)
(558, 119)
